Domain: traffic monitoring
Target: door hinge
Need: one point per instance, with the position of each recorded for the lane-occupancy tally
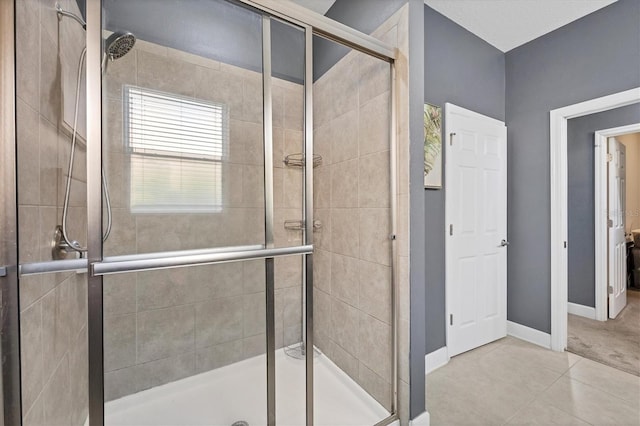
(609, 158)
(451, 229)
(450, 319)
(451, 135)
(565, 244)
(610, 223)
(610, 289)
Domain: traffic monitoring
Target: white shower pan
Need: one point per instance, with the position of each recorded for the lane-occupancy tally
(237, 392)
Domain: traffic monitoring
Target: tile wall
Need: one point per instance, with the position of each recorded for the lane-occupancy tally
(352, 200)
(53, 307)
(165, 325)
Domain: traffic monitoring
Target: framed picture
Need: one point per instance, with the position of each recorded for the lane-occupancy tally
(432, 146)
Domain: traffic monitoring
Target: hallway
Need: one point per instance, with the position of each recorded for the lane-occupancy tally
(614, 342)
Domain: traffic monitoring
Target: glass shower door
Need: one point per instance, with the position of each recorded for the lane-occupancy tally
(184, 162)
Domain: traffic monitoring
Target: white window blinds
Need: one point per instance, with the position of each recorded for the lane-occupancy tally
(177, 146)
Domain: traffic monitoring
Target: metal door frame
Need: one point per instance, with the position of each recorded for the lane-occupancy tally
(11, 402)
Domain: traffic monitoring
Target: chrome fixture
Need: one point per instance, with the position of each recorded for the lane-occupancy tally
(61, 13)
(116, 46)
(504, 243)
(299, 225)
(298, 160)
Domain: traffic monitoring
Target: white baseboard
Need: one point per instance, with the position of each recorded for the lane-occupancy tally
(436, 359)
(581, 310)
(529, 334)
(421, 420)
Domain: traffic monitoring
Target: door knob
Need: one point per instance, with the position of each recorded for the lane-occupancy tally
(504, 243)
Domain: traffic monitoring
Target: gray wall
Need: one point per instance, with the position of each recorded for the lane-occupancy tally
(592, 57)
(417, 269)
(580, 153)
(462, 69)
(215, 29)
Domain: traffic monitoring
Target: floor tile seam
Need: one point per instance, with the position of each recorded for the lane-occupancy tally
(538, 398)
(600, 390)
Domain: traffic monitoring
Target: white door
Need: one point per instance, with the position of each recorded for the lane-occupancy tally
(617, 240)
(476, 234)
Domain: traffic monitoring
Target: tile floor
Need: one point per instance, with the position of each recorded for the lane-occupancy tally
(512, 382)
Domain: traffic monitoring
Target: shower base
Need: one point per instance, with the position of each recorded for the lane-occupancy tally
(238, 392)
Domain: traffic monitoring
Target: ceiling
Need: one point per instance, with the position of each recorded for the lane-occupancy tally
(507, 24)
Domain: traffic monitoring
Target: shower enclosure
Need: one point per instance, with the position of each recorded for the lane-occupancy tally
(206, 205)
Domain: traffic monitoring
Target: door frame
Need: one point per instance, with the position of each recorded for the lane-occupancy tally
(558, 198)
(601, 229)
(450, 109)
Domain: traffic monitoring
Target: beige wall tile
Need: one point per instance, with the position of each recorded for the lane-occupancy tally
(55, 328)
(31, 355)
(254, 306)
(159, 372)
(344, 232)
(166, 74)
(375, 245)
(219, 321)
(165, 332)
(322, 270)
(344, 184)
(50, 87)
(120, 383)
(374, 186)
(119, 294)
(56, 396)
(28, 56)
(375, 290)
(322, 235)
(218, 356)
(346, 326)
(220, 86)
(344, 279)
(375, 385)
(28, 154)
(119, 341)
(374, 121)
(374, 340)
(344, 144)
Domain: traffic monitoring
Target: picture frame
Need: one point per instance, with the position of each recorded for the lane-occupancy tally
(432, 146)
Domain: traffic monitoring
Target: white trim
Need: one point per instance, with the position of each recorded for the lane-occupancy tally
(601, 228)
(436, 359)
(581, 310)
(529, 334)
(559, 234)
(422, 420)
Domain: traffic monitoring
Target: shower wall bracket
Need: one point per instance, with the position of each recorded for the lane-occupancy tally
(299, 225)
(298, 160)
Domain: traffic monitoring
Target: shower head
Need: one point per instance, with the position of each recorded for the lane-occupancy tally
(116, 46)
(119, 44)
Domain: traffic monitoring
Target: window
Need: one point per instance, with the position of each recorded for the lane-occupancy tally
(176, 146)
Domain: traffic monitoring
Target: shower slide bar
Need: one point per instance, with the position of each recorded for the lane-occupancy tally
(162, 260)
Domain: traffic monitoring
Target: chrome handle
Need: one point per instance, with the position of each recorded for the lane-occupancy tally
(504, 243)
